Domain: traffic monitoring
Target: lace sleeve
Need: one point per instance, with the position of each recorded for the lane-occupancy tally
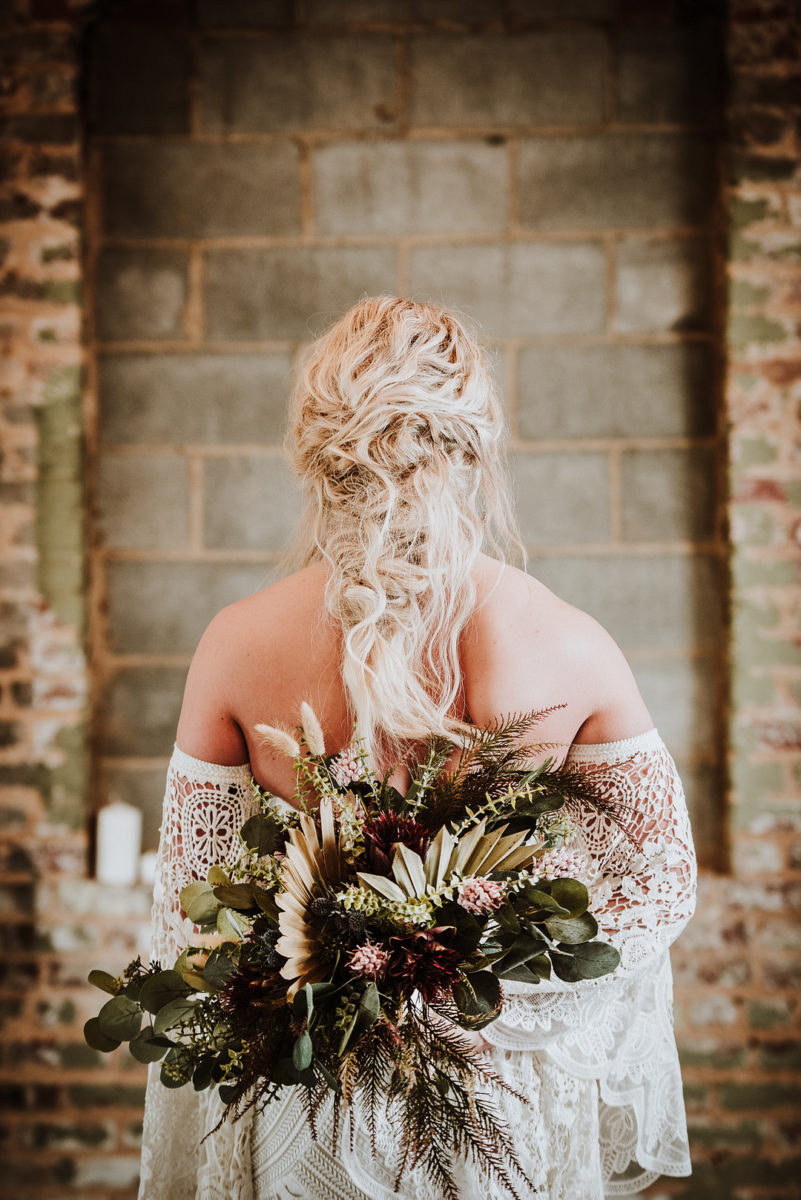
(619, 1029)
(205, 804)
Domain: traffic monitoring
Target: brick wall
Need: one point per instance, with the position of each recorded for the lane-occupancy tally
(248, 170)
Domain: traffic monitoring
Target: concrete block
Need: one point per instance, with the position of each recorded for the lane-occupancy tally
(143, 501)
(616, 180)
(562, 498)
(200, 189)
(551, 77)
(410, 187)
(663, 285)
(681, 697)
(559, 10)
(140, 708)
(138, 78)
(517, 289)
(250, 503)
(668, 495)
(141, 293)
(430, 12)
(646, 601)
(141, 787)
(704, 792)
(616, 391)
(244, 14)
(207, 398)
(278, 294)
(287, 82)
(163, 608)
(666, 74)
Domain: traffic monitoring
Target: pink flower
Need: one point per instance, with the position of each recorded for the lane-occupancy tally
(562, 864)
(479, 895)
(346, 767)
(369, 959)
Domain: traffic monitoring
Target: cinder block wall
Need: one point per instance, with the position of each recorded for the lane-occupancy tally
(71, 1117)
(557, 180)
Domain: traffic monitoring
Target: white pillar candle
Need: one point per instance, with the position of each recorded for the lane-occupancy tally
(119, 841)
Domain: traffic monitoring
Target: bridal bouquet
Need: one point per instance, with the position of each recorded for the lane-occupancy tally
(353, 939)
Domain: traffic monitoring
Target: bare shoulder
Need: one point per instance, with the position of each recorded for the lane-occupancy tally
(528, 648)
(241, 644)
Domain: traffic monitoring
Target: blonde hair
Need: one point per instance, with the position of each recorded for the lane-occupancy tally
(396, 431)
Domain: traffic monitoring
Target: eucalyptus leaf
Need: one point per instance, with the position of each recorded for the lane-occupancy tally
(571, 894)
(507, 917)
(572, 930)
(232, 924)
(203, 1072)
(266, 902)
(217, 877)
(148, 1047)
(302, 1052)
(160, 989)
(220, 966)
(542, 900)
(477, 994)
(176, 1070)
(94, 1037)
(587, 961)
(174, 1013)
(520, 951)
(261, 833)
(120, 1018)
(330, 1079)
(303, 1001)
(369, 1009)
(199, 903)
(104, 981)
(237, 895)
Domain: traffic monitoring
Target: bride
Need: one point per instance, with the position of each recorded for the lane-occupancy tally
(400, 611)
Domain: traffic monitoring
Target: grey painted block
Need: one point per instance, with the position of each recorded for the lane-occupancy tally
(647, 602)
(250, 503)
(553, 77)
(410, 187)
(285, 293)
(200, 189)
(518, 289)
(207, 398)
(668, 495)
(141, 293)
(663, 285)
(143, 501)
(681, 697)
(144, 789)
(163, 608)
(623, 180)
(244, 14)
(426, 11)
(138, 78)
(704, 791)
(140, 709)
(616, 391)
(286, 82)
(560, 10)
(562, 498)
(669, 74)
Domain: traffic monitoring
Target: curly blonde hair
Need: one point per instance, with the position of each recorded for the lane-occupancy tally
(396, 431)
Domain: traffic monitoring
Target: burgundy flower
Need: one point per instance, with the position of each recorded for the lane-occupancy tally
(425, 960)
(384, 832)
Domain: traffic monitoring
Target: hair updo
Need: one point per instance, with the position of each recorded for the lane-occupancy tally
(396, 431)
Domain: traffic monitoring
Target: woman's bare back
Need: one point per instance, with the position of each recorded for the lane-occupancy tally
(524, 648)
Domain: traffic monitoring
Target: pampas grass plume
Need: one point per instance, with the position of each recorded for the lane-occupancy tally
(278, 739)
(312, 730)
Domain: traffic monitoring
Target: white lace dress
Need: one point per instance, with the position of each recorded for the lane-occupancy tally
(597, 1060)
